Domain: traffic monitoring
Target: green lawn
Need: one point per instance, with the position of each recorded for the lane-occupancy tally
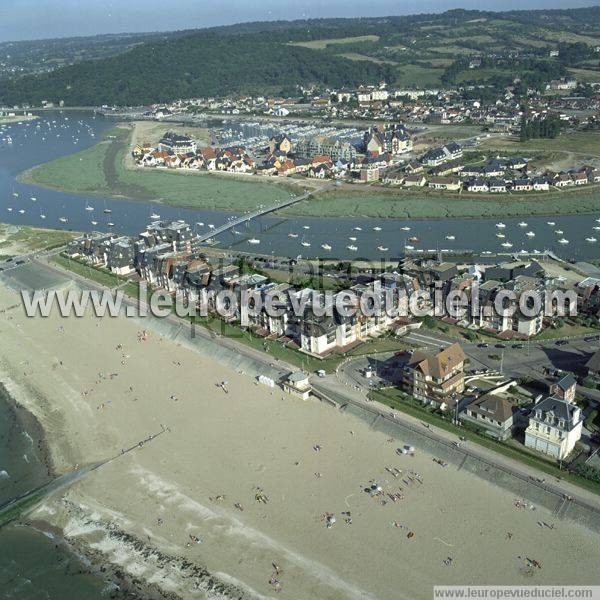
(101, 276)
(321, 44)
(23, 239)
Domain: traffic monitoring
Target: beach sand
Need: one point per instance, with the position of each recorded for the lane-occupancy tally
(94, 398)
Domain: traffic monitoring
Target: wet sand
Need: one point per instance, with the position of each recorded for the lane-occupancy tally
(304, 460)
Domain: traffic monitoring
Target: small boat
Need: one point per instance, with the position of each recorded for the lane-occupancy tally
(358, 229)
(88, 207)
(591, 240)
(9, 208)
(376, 228)
(110, 224)
(22, 211)
(306, 244)
(414, 240)
(500, 235)
(405, 228)
(558, 231)
(292, 235)
(254, 241)
(63, 220)
(408, 247)
(33, 199)
(42, 215)
(352, 248)
(352, 238)
(155, 216)
(506, 245)
(522, 224)
(382, 248)
(597, 228)
(500, 225)
(94, 222)
(551, 223)
(530, 234)
(326, 246)
(450, 237)
(107, 211)
(15, 194)
(211, 226)
(200, 224)
(563, 241)
(305, 226)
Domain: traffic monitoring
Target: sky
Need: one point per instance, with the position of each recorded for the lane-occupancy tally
(37, 19)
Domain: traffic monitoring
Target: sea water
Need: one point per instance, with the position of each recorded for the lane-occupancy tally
(33, 563)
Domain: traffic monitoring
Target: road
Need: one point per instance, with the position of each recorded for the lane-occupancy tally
(349, 391)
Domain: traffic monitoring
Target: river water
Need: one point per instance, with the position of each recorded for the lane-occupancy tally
(57, 134)
(32, 564)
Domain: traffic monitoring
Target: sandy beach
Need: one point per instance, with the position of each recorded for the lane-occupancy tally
(245, 480)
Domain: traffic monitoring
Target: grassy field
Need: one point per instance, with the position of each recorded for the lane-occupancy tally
(100, 169)
(20, 239)
(357, 56)
(416, 75)
(403, 204)
(321, 44)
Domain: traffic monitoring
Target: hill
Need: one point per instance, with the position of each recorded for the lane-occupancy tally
(273, 57)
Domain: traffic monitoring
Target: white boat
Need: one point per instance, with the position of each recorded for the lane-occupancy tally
(306, 244)
(506, 245)
(42, 215)
(563, 241)
(382, 248)
(63, 220)
(352, 248)
(22, 211)
(254, 241)
(292, 235)
(500, 235)
(358, 229)
(9, 209)
(450, 237)
(530, 234)
(597, 220)
(107, 211)
(94, 222)
(500, 225)
(352, 238)
(405, 228)
(408, 247)
(33, 199)
(551, 223)
(110, 224)
(155, 216)
(376, 228)
(88, 207)
(211, 226)
(326, 246)
(306, 226)
(591, 240)
(522, 224)
(16, 194)
(558, 231)
(200, 224)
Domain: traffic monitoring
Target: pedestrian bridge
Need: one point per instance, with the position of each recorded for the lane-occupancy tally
(258, 213)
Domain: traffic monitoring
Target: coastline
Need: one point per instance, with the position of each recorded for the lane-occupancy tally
(143, 512)
(393, 204)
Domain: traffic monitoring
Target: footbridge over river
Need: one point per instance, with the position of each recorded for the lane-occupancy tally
(259, 213)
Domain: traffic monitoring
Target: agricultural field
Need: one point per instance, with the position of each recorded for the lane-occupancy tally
(321, 44)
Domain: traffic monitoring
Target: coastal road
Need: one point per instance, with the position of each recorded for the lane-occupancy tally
(344, 392)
